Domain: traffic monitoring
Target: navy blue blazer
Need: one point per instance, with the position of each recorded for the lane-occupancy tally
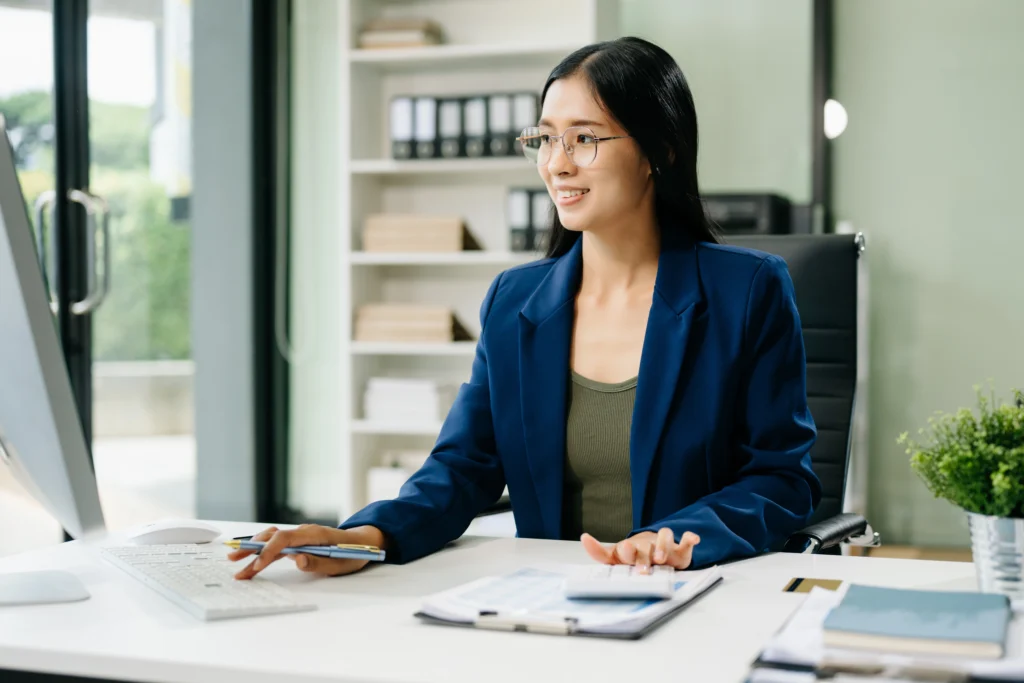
(721, 431)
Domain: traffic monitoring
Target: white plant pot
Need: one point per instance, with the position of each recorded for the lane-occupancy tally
(998, 547)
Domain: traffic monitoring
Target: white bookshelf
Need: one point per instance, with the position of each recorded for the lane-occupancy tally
(426, 59)
(424, 349)
(491, 46)
(443, 167)
(466, 258)
(429, 429)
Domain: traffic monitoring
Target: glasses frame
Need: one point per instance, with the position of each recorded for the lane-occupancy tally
(561, 138)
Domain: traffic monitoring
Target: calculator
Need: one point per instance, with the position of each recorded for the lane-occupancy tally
(620, 581)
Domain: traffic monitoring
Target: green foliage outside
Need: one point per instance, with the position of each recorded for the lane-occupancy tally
(146, 314)
(975, 461)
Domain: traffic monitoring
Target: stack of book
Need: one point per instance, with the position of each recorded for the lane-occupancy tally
(406, 401)
(408, 323)
(861, 631)
(392, 232)
(400, 32)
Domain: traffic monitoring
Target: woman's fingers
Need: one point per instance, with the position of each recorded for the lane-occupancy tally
(683, 554)
(644, 550)
(307, 534)
(597, 551)
(624, 552)
(261, 536)
(665, 546)
(326, 566)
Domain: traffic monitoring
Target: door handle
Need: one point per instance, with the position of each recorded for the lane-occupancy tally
(45, 249)
(97, 218)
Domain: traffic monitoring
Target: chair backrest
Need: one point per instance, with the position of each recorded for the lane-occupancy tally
(824, 271)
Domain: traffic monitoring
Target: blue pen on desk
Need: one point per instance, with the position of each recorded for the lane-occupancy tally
(346, 551)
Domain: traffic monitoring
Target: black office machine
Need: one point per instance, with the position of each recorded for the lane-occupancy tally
(749, 214)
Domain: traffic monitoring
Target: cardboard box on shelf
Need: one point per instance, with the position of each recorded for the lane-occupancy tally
(408, 323)
(416, 233)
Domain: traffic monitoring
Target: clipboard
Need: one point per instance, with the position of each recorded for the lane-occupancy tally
(570, 626)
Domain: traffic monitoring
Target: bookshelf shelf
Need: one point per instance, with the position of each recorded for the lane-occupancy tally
(396, 428)
(485, 165)
(364, 348)
(463, 258)
(433, 57)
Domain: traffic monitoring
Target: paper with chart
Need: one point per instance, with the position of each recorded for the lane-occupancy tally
(536, 593)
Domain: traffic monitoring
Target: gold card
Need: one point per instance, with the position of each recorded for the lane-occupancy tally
(805, 585)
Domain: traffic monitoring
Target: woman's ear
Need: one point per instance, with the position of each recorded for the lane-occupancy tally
(648, 167)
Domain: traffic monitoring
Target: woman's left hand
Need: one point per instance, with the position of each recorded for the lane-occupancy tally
(645, 549)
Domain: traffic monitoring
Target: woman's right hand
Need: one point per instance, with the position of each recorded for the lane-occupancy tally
(308, 534)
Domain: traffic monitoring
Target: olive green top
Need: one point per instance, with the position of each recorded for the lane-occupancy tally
(597, 492)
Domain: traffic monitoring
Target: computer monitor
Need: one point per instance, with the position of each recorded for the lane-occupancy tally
(41, 436)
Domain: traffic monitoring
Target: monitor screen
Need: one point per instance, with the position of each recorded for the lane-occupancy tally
(41, 436)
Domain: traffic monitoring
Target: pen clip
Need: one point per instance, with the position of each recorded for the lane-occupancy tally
(355, 546)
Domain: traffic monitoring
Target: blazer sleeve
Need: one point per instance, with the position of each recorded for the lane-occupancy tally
(460, 479)
(775, 490)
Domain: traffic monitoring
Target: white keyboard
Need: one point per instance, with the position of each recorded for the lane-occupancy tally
(620, 581)
(201, 581)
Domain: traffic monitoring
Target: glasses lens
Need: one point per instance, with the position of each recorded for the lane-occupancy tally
(535, 144)
(581, 145)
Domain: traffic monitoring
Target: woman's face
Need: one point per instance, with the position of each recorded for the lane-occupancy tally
(615, 185)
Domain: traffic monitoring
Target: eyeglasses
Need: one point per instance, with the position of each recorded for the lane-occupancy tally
(579, 143)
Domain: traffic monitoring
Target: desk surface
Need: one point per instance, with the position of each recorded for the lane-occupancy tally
(365, 631)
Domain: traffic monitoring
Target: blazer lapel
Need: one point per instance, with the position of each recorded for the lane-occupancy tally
(673, 309)
(545, 337)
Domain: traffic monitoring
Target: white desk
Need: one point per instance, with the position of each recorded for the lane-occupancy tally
(365, 631)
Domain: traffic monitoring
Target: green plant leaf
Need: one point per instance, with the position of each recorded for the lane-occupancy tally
(975, 461)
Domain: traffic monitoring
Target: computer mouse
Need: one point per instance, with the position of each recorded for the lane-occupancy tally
(174, 531)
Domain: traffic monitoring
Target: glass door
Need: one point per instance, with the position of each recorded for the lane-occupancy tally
(139, 88)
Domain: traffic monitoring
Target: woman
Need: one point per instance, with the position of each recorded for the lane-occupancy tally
(643, 385)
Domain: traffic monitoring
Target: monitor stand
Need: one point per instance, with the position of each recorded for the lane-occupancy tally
(40, 588)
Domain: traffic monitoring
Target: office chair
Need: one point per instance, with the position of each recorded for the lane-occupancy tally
(825, 277)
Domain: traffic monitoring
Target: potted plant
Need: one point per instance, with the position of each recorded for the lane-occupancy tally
(976, 462)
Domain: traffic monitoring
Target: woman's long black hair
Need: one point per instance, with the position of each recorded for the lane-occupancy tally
(644, 89)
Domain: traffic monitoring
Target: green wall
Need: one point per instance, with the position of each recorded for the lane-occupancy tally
(930, 169)
(748, 63)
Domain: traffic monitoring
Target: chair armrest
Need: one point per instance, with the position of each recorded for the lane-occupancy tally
(503, 504)
(831, 532)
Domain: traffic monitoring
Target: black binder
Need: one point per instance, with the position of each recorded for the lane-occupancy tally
(474, 119)
(500, 135)
(450, 128)
(525, 112)
(426, 136)
(401, 127)
(518, 211)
